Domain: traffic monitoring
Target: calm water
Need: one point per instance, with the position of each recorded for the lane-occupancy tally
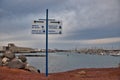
(59, 62)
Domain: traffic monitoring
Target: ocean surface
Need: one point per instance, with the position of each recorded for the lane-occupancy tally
(60, 62)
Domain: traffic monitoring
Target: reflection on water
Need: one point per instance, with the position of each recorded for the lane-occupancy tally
(59, 62)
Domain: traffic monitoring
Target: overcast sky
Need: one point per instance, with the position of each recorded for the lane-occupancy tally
(86, 23)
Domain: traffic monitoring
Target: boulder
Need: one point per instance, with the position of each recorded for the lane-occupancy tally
(82, 73)
(9, 59)
(31, 68)
(9, 55)
(119, 65)
(0, 61)
(16, 63)
(22, 58)
(5, 61)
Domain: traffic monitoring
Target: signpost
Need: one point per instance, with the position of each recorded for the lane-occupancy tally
(47, 26)
(54, 26)
(47, 42)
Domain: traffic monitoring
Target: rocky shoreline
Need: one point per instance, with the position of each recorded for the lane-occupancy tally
(9, 59)
(17, 66)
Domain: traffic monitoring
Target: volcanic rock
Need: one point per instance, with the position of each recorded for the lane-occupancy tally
(9, 55)
(22, 58)
(16, 63)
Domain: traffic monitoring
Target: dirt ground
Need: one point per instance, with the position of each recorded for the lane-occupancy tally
(79, 74)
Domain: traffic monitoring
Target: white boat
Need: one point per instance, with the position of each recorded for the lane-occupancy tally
(115, 54)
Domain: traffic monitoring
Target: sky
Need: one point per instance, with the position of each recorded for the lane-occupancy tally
(86, 23)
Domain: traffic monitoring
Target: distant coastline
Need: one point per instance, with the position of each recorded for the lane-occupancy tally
(16, 49)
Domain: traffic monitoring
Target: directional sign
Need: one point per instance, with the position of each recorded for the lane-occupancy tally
(54, 27)
(38, 29)
(47, 26)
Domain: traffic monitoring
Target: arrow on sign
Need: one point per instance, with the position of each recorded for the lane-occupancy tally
(38, 21)
(56, 22)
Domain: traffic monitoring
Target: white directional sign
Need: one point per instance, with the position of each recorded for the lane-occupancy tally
(54, 26)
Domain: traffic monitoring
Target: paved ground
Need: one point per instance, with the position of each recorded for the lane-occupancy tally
(79, 74)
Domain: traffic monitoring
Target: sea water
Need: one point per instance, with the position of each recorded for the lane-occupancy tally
(60, 62)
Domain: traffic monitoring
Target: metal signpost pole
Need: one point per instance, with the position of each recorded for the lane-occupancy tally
(46, 42)
(53, 27)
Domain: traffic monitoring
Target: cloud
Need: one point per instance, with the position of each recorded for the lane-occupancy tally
(38, 41)
(94, 13)
(90, 41)
(79, 15)
(102, 41)
(76, 15)
(25, 7)
(84, 21)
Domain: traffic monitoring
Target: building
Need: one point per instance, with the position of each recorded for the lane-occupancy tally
(1, 48)
(17, 49)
